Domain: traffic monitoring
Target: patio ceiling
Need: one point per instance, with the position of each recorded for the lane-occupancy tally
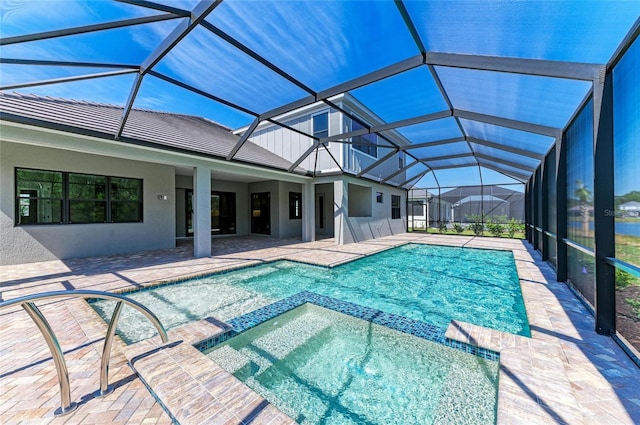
(484, 87)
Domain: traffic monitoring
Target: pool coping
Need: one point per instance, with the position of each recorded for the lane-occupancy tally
(524, 362)
(194, 390)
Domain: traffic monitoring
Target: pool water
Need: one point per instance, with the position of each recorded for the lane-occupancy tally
(432, 284)
(323, 367)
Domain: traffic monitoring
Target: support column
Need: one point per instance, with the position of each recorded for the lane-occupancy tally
(340, 210)
(603, 206)
(308, 212)
(544, 218)
(201, 212)
(561, 208)
(527, 211)
(535, 203)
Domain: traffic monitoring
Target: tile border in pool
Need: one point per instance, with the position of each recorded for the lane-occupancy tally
(389, 320)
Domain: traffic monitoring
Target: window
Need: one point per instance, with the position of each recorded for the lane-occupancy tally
(379, 197)
(223, 212)
(87, 198)
(126, 200)
(295, 205)
(400, 160)
(367, 143)
(395, 206)
(47, 197)
(40, 197)
(321, 125)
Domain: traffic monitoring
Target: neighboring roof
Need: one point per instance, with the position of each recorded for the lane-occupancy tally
(498, 191)
(167, 130)
(630, 204)
(478, 198)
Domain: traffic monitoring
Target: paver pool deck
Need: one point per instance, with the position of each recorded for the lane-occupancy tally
(565, 373)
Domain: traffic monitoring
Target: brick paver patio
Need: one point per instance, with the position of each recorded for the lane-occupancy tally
(565, 374)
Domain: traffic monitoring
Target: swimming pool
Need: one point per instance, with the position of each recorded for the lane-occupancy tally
(428, 283)
(324, 367)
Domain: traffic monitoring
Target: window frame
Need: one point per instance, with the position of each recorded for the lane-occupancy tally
(367, 148)
(295, 205)
(18, 199)
(66, 199)
(113, 201)
(69, 201)
(313, 126)
(396, 210)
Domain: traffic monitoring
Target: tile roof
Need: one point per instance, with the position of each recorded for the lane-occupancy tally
(159, 129)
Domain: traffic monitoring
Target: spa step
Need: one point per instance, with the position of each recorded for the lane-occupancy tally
(196, 390)
(271, 346)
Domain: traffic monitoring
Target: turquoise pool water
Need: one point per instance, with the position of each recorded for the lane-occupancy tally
(432, 284)
(323, 367)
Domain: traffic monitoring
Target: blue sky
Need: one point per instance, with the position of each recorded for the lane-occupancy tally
(323, 43)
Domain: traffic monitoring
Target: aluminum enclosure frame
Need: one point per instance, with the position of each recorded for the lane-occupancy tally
(196, 17)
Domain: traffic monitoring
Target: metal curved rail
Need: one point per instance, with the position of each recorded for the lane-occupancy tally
(27, 303)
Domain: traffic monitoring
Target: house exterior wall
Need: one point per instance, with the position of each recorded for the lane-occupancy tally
(281, 225)
(291, 145)
(33, 243)
(288, 228)
(357, 229)
(165, 219)
(356, 160)
(184, 183)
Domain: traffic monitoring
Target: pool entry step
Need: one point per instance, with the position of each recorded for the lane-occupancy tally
(194, 389)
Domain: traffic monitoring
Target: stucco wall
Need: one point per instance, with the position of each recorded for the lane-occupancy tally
(32, 243)
(289, 228)
(360, 201)
(358, 229)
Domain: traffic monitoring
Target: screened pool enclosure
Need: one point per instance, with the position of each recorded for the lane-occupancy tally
(526, 111)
